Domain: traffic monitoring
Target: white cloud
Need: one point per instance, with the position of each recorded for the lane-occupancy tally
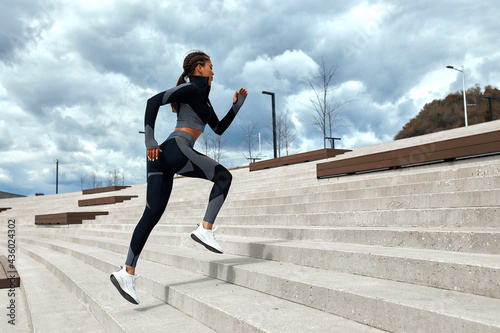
(360, 139)
(279, 73)
(5, 177)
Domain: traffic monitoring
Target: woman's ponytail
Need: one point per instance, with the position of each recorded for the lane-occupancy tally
(182, 79)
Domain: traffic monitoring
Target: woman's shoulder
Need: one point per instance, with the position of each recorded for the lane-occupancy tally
(182, 90)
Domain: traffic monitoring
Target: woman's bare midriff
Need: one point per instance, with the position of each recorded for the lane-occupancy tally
(195, 133)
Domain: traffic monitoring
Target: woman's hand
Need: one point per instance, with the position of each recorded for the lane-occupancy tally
(153, 154)
(242, 92)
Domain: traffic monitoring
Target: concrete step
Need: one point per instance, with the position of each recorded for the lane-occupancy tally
(240, 191)
(469, 217)
(478, 199)
(446, 218)
(285, 178)
(93, 288)
(322, 200)
(45, 291)
(380, 303)
(327, 192)
(338, 191)
(201, 297)
(468, 272)
(486, 241)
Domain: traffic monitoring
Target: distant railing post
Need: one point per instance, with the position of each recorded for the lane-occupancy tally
(490, 105)
(332, 141)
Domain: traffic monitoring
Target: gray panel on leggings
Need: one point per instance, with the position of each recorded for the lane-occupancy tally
(206, 164)
(131, 258)
(149, 175)
(187, 168)
(155, 174)
(213, 208)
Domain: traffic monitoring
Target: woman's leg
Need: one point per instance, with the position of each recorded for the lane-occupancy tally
(201, 166)
(158, 192)
(159, 187)
(206, 168)
(222, 181)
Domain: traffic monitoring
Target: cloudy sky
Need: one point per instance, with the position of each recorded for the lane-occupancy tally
(75, 75)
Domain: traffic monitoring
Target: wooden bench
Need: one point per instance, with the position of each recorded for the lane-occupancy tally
(105, 200)
(439, 151)
(4, 209)
(9, 278)
(66, 218)
(104, 189)
(297, 158)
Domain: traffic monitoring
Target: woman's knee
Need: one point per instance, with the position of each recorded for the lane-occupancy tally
(223, 177)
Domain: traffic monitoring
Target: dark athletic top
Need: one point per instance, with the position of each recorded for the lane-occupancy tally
(194, 109)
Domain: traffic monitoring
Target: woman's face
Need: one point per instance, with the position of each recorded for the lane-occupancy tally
(207, 71)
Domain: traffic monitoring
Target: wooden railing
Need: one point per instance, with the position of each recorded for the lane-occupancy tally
(439, 151)
(105, 200)
(297, 158)
(66, 218)
(104, 189)
(9, 277)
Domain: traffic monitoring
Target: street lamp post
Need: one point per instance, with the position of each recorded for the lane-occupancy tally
(463, 82)
(57, 176)
(274, 121)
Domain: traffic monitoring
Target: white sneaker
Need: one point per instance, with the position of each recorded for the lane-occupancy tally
(125, 283)
(206, 238)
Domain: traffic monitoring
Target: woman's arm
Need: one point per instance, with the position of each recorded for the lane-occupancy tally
(152, 107)
(219, 127)
(178, 94)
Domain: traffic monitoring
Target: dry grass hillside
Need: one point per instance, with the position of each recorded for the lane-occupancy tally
(448, 113)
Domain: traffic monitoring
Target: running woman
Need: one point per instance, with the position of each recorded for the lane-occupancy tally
(189, 99)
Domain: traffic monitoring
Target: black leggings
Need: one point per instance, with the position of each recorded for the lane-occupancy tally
(177, 157)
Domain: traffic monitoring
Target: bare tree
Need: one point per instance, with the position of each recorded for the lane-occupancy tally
(93, 181)
(327, 117)
(251, 145)
(115, 178)
(213, 145)
(83, 178)
(218, 142)
(206, 141)
(285, 131)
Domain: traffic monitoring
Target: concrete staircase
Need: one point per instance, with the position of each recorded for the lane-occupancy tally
(408, 250)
